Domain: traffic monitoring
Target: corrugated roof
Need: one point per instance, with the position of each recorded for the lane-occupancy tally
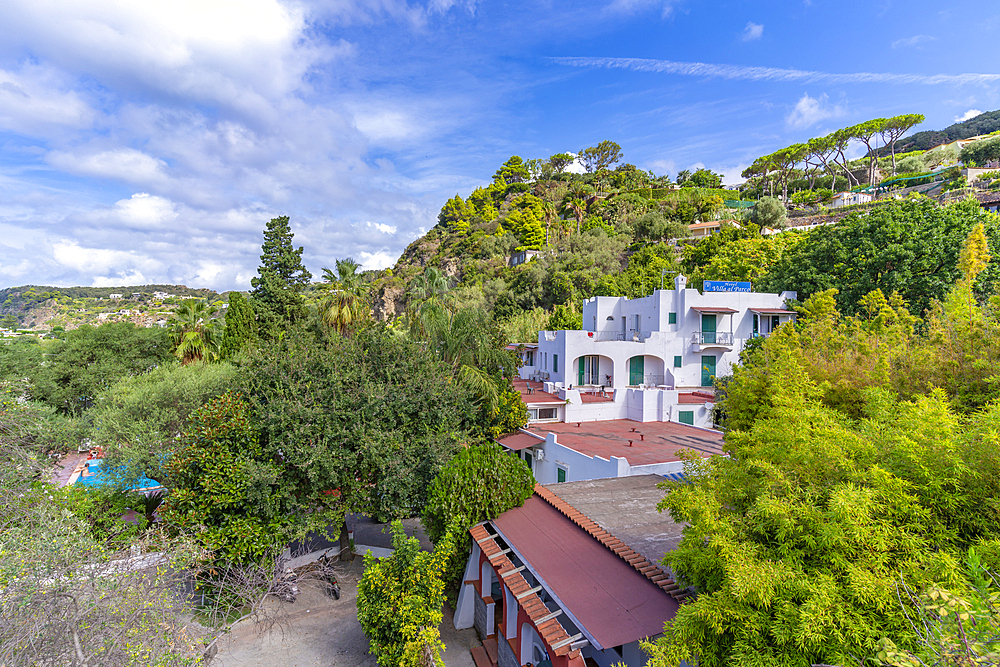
(773, 311)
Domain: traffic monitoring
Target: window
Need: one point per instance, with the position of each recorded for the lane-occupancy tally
(677, 361)
(555, 363)
(535, 414)
(560, 474)
(686, 417)
(589, 371)
(529, 358)
(671, 318)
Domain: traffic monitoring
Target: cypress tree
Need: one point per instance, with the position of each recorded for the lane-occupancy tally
(241, 328)
(277, 293)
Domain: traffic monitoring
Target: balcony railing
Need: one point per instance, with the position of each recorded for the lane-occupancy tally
(647, 381)
(712, 338)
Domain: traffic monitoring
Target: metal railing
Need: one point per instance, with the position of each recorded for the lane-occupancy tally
(712, 338)
(647, 381)
(633, 335)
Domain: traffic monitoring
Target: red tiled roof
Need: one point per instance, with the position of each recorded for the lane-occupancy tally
(613, 601)
(519, 441)
(652, 442)
(713, 309)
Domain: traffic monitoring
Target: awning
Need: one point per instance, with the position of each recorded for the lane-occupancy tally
(773, 311)
(519, 441)
(714, 309)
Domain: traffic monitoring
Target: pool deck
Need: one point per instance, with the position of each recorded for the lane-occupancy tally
(67, 467)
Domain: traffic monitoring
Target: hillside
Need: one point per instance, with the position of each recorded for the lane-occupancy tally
(984, 123)
(44, 307)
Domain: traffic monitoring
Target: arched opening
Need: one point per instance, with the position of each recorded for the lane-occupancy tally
(593, 370)
(646, 371)
(532, 648)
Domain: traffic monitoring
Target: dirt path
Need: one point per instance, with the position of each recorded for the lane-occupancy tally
(321, 632)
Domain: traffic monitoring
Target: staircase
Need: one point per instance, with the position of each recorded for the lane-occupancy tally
(486, 655)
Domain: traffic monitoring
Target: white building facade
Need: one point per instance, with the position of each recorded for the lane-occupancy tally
(635, 358)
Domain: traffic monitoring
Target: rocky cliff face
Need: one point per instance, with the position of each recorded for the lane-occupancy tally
(389, 303)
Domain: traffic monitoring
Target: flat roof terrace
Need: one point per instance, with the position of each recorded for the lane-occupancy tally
(651, 442)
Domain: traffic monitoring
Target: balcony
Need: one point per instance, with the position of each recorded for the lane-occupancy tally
(702, 339)
(633, 335)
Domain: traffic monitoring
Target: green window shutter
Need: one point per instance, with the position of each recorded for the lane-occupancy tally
(672, 318)
(707, 369)
(560, 474)
(555, 363)
(580, 380)
(636, 366)
(686, 417)
(677, 361)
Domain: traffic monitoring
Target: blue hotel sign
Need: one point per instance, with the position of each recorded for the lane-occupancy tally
(726, 286)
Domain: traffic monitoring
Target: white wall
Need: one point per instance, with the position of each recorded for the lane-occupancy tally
(581, 467)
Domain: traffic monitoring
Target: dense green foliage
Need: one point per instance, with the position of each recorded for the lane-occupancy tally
(223, 485)
(400, 599)
(89, 360)
(852, 471)
(910, 247)
(984, 123)
(979, 153)
(361, 424)
(240, 332)
(137, 420)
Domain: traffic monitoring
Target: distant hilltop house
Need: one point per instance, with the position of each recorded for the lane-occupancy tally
(572, 577)
(702, 229)
(622, 395)
(162, 295)
(850, 199)
(521, 257)
(115, 296)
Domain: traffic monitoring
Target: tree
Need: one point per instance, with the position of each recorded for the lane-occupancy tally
(653, 226)
(455, 214)
(193, 331)
(703, 178)
(601, 156)
(138, 420)
(277, 292)
(981, 152)
(909, 246)
(512, 171)
(769, 212)
(400, 599)
(346, 300)
(896, 127)
(480, 483)
(224, 487)
(92, 359)
(240, 332)
(560, 161)
(866, 133)
(361, 424)
(797, 540)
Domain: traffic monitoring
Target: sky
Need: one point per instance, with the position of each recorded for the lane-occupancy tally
(150, 142)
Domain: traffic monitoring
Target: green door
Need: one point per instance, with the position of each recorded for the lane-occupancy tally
(708, 328)
(580, 378)
(707, 369)
(635, 371)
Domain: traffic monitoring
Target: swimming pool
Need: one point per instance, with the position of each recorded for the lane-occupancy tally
(91, 474)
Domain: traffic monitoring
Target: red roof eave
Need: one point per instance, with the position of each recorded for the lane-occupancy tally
(714, 309)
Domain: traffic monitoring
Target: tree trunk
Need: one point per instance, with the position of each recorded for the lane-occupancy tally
(346, 551)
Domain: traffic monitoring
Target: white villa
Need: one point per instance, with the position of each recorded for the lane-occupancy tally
(647, 359)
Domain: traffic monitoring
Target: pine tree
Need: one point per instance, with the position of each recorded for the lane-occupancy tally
(277, 293)
(241, 327)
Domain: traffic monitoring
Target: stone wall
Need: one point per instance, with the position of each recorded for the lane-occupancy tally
(480, 617)
(505, 656)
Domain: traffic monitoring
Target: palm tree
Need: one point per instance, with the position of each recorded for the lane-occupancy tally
(346, 300)
(575, 207)
(428, 310)
(194, 332)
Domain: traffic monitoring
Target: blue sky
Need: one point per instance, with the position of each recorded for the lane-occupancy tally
(151, 142)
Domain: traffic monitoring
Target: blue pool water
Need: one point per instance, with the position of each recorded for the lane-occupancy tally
(98, 478)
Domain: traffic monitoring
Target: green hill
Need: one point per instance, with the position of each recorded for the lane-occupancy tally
(984, 123)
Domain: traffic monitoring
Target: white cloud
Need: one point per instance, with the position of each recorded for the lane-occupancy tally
(376, 260)
(916, 40)
(35, 99)
(810, 110)
(971, 113)
(749, 73)
(753, 31)
(629, 7)
(124, 164)
(385, 229)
